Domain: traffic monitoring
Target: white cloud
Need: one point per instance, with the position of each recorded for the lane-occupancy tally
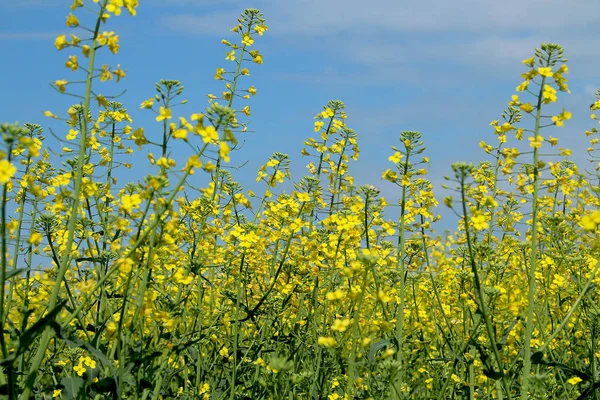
(400, 41)
(31, 3)
(319, 17)
(27, 35)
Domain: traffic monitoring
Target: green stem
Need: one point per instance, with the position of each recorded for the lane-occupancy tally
(482, 304)
(400, 264)
(45, 339)
(534, 255)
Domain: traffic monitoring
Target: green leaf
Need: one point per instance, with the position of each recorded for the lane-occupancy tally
(105, 385)
(375, 347)
(14, 272)
(537, 357)
(36, 329)
(73, 388)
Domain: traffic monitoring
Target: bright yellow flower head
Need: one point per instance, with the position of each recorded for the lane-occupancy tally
(61, 85)
(163, 113)
(72, 21)
(545, 71)
(61, 42)
(7, 171)
(326, 341)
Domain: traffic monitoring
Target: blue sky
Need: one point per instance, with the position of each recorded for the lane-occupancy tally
(444, 68)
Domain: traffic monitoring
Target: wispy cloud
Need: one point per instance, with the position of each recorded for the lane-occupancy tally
(27, 35)
(402, 41)
(31, 3)
(319, 17)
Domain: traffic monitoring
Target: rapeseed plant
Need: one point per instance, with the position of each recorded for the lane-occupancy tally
(160, 289)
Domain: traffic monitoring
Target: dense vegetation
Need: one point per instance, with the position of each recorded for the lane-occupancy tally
(157, 289)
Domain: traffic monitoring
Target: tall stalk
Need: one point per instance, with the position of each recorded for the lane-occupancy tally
(64, 263)
(534, 254)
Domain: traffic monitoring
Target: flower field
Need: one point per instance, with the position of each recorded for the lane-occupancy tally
(160, 289)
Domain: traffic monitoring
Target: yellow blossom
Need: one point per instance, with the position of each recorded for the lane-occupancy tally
(61, 42)
(61, 85)
(72, 63)
(574, 380)
(545, 71)
(247, 40)
(326, 341)
(535, 142)
(163, 113)
(7, 171)
(130, 202)
(79, 369)
(479, 222)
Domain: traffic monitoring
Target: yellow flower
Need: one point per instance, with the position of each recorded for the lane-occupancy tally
(72, 63)
(224, 351)
(383, 296)
(50, 114)
(208, 134)
(147, 103)
(56, 393)
(72, 134)
(389, 175)
(536, 142)
(163, 113)
(523, 86)
(61, 42)
(85, 49)
(591, 221)
(105, 74)
(527, 107)
(328, 113)
(119, 73)
(180, 134)
(204, 388)
(326, 341)
(7, 171)
(102, 101)
(395, 158)
(337, 295)
(252, 90)
(114, 6)
(230, 55)
(60, 85)
(479, 222)
(545, 71)
(260, 29)
(129, 202)
(219, 73)
(224, 150)
(340, 325)
(574, 380)
(111, 328)
(303, 197)
(87, 361)
(80, 369)
(529, 62)
(72, 21)
(35, 238)
(247, 40)
(549, 94)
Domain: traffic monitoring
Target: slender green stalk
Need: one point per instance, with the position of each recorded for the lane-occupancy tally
(3, 272)
(401, 265)
(534, 256)
(480, 295)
